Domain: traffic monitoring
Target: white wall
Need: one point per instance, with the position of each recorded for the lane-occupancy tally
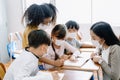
(14, 15)
(3, 32)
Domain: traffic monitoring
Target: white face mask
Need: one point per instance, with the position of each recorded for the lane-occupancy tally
(96, 43)
(71, 35)
(59, 42)
(47, 28)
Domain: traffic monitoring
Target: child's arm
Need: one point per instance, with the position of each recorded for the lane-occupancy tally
(52, 62)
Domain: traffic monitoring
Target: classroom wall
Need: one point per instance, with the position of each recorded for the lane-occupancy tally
(84, 29)
(14, 14)
(3, 32)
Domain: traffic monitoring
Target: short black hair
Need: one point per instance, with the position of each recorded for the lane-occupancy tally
(104, 31)
(35, 14)
(37, 38)
(72, 24)
(59, 31)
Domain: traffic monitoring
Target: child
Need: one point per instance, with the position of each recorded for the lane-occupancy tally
(56, 50)
(72, 28)
(25, 67)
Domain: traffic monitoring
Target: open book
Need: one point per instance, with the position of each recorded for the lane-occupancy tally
(78, 63)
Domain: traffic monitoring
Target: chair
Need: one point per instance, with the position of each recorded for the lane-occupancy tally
(14, 47)
(2, 71)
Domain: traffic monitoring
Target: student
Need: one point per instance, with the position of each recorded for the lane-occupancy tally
(75, 28)
(38, 17)
(56, 50)
(25, 67)
(108, 55)
(72, 28)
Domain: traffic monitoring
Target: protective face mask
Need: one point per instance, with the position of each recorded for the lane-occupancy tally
(96, 43)
(47, 28)
(59, 42)
(71, 35)
(42, 26)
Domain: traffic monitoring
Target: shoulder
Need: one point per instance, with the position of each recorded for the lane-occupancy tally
(114, 48)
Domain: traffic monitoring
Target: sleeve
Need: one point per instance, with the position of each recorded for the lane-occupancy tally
(71, 49)
(112, 69)
(30, 72)
(78, 44)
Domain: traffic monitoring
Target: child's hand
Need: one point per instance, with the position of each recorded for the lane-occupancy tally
(55, 75)
(72, 58)
(65, 57)
(59, 62)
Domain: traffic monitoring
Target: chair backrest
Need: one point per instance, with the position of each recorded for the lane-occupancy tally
(15, 43)
(2, 71)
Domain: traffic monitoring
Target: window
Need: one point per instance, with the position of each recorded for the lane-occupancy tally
(78, 10)
(106, 10)
(27, 3)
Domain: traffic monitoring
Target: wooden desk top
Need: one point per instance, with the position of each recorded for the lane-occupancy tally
(87, 49)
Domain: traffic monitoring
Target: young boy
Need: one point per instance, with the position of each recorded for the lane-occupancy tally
(72, 28)
(25, 67)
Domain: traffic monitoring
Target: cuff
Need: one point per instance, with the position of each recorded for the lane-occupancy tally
(100, 61)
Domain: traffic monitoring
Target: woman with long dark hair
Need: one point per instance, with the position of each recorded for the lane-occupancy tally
(108, 55)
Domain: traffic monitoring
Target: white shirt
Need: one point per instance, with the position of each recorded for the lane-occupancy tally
(25, 67)
(105, 54)
(51, 54)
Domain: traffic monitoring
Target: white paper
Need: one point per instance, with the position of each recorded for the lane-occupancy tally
(61, 75)
(78, 63)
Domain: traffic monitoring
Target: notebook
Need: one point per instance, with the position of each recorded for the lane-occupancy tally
(78, 63)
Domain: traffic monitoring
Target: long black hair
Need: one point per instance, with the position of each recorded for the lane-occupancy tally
(104, 30)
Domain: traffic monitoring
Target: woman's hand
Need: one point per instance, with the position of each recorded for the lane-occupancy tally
(93, 54)
(96, 58)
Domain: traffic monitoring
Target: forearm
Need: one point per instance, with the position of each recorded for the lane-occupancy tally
(57, 63)
(47, 61)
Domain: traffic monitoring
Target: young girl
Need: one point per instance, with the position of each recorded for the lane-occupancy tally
(56, 50)
(38, 17)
